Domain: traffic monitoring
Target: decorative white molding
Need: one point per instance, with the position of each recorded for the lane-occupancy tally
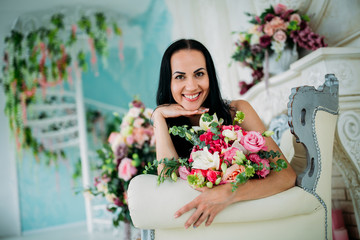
(349, 135)
(349, 38)
(350, 175)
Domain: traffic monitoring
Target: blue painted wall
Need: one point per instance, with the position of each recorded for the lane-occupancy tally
(46, 193)
(145, 40)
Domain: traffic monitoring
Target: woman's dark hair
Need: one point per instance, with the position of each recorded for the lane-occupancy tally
(214, 101)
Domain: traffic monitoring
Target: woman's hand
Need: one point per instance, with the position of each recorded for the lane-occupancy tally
(208, 204)
(164, 145)
(176, 110)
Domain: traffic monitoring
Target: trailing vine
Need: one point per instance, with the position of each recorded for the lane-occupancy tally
(44, 58)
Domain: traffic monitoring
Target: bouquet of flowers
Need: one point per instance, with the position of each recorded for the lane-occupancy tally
(276, 28)
(221, 154)
(126, 155)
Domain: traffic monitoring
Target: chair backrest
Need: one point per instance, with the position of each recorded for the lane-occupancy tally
(304, 119)
(312, 119)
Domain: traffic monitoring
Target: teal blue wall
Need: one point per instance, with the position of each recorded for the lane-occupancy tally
(46, 193)
(138, 73)
(47, 196)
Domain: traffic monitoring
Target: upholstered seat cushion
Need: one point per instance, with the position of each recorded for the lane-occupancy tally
(146, 198)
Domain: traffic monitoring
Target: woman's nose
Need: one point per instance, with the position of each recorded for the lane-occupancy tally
(191, 83)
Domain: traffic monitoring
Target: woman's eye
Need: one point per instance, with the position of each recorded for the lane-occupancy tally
(180, 77)
(199, 74)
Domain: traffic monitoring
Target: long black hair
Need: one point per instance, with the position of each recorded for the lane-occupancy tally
(214, 101)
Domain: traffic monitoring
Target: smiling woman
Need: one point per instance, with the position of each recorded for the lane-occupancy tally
(188, 87)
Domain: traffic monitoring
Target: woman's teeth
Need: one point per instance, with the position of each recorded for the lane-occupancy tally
(192, 96)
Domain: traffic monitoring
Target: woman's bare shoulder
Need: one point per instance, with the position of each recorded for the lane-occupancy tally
(240, 105)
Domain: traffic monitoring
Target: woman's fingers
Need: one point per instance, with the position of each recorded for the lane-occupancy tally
(194, 218)
(201, 219)
(203, 110)
(210, 220)
(185, 209)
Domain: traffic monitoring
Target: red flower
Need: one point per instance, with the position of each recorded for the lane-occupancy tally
(212, 175)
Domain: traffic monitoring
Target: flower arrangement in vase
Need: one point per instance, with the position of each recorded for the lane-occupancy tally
(124, 157)
(276, 29)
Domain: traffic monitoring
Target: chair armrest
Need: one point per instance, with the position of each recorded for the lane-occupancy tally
(153, 206)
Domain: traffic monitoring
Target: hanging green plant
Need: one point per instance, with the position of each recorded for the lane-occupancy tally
(44, 58)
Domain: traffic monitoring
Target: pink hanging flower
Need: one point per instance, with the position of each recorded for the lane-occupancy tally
(92, 48)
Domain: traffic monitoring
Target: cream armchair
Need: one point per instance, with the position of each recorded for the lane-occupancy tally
(302, 212)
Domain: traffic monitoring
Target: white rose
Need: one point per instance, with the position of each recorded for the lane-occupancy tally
(206, 125)
(205, 160)
(278, 47)
(230, 134)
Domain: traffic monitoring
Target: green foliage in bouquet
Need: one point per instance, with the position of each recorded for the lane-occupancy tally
(221, 154)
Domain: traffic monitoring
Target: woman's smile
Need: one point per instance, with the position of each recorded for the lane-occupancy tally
(193, 97)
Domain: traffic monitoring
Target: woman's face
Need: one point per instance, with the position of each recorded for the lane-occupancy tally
(189, 78)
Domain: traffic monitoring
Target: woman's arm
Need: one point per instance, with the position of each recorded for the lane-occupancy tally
(164, 145)
(212, 201)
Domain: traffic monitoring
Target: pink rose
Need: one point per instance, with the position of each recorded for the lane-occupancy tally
(253, 141)
(140, 136)
(275, 24)
(295, 17)
(112, 137)
(280, 8)
(231, 173)
(126, 170)
(266, 166)
(183, 172)
(230, 154)
(212, 176)
(280, 36)
(268, 29)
